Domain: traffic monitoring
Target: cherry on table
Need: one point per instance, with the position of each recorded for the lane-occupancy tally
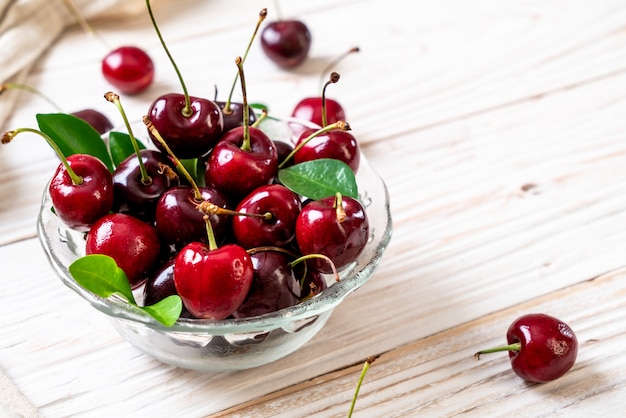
(541, 347)
(286, 42)
(129, 69)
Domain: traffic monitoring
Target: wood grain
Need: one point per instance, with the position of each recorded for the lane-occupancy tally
(499, 129)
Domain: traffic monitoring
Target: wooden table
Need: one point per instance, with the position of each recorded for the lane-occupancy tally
(500, 130)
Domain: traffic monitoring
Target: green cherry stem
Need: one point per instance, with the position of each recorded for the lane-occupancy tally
(262, 15)
(313, 256)
(510, 347)
(83, 22)
(187, 109)
(209, 232)
(246, 111)
(364, 370)
(29, 89)
(153, 130)
(115, 99)
(8, 137)
(344, 126)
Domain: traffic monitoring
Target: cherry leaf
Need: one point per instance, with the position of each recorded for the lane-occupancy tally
(166, 311)
(121, 146)
(320, 178)
(196, 168)
(100, 274)
(74, 136)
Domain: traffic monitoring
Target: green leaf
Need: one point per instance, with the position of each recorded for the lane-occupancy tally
(196, 169)
(100, 274)
(121, 146)
(74, 136)
(166, 311)
(320, 178)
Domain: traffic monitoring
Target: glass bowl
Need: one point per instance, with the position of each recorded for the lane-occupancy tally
(230, 344)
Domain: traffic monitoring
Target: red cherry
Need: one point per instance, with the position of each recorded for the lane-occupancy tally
(273, 287)
(335, 226)
(129, 69)
(286, 42)
(541, 347)
(336, 144)
(283, 207)
(310, 109)
(80, 205)
(97, 120)
(212, 283)
(133, 244)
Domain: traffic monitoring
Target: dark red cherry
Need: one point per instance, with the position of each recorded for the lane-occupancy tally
(541, 347)
(179, 222)
(189, 136)
(286, 42)
(80, 205)
(97, 120)
(133, 244)
(335, 226)
(135, 196)
(160, 284)
(282, 207)
(237, 166)
(233, 116)
(336, 144)
(273, 286)
(312, 283)
(129, 69)
(212, 283)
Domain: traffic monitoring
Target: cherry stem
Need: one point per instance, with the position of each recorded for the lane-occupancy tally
(334, 77)
(83, 22)
(29, 89)
(344, 126)
(209, 208)
(227, 110)
(338, 205)
(115, 99)
(269, 248)
(260, 119)
(312, 256)
(246, 111)
(187, 109)
(510, 347)
(364, 370)
(8, 137)
(209, 233)
(153, 130)
(337, 60)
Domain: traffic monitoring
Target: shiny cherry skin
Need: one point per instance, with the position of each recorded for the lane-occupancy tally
(281, 203)
(312, 284)
(179, 222)
(236, 172)
(134, 197)
(132, 243)
(286, 42)
(80, 205)
(310, 109)
(336, 144)
(548, 347)
(212, 283)
(96, 119)
(274, 285)
(161, 285)
(129, 69)
(188, 136)
(319, 230)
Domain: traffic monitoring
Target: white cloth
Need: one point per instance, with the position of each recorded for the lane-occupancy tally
(29, 27)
